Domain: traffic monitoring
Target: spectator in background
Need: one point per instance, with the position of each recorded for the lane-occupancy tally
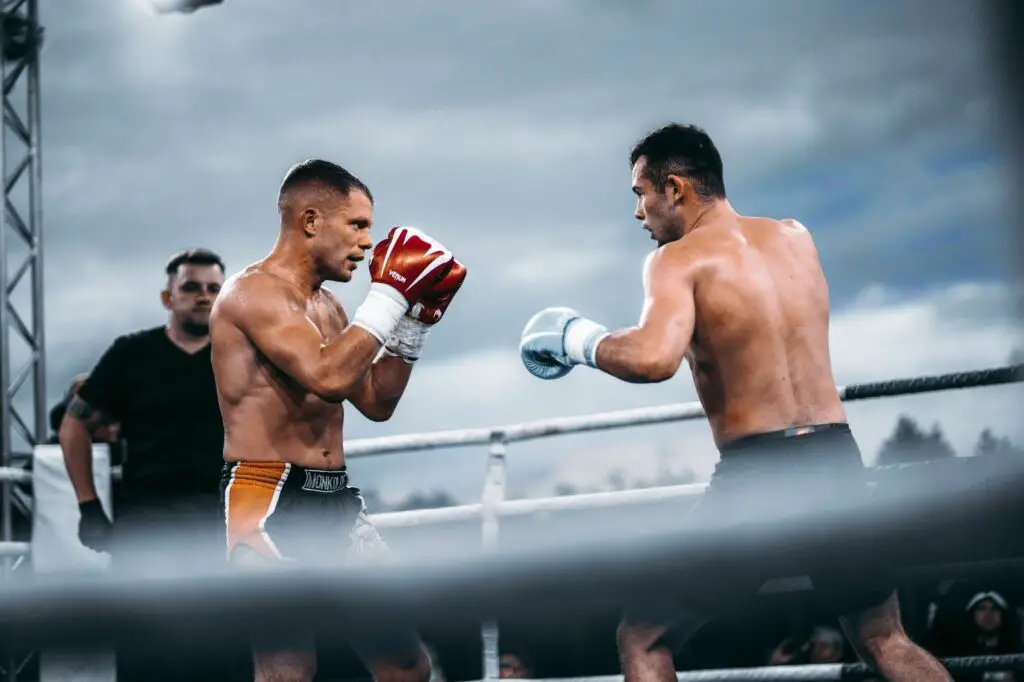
(827, 645)
(158, 385)
(824, 645)
(986, 626)
(514, 664)
(993, 623)
(992, 630)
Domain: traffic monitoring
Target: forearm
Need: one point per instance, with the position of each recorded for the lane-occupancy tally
(623, 355)
(342, 364)
(76, 445)
(387, 381)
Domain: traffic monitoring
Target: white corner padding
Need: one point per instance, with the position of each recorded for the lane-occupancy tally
(56, 551)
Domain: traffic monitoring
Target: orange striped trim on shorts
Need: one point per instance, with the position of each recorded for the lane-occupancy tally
(250, 497)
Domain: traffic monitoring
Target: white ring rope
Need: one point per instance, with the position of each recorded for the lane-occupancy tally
(819, 672)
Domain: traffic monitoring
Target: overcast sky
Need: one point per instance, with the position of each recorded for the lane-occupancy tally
(504, 129)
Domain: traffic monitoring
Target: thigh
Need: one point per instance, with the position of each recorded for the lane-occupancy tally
(702, 590)
(291, 655)
(341, 534)
(385, 645)
(322, 530)
(850, 571)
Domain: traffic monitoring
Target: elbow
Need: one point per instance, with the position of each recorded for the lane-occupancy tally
(330, 394)
(654, 369)
(378, 415)
(380, 411)
(331, 389)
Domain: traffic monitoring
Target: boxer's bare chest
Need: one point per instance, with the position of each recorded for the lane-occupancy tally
(326, 316)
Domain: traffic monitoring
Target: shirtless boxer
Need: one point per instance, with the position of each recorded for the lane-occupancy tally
(745, 302)
(286, 357)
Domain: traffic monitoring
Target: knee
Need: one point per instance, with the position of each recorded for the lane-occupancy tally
(878, 648)
(877, 633)
(284, 675)
(288, 667)
(402, 667)
(637, 639)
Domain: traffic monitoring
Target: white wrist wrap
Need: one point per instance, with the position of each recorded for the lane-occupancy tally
(581, 339)
(381, 311)
(407, 339)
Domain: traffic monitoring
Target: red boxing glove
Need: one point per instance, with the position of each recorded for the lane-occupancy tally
(410, 262)
(403, 267)
(435, 301)
(408, 337)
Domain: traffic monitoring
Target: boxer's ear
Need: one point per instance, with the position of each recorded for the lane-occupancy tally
(309, 220)
(165, 298)
(675, 187)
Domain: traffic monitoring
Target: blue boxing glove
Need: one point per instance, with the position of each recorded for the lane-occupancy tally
(557, 339)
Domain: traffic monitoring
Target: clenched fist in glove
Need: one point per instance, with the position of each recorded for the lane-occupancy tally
(94, 528)
(403, 268)
(407, 339)
(557, 339)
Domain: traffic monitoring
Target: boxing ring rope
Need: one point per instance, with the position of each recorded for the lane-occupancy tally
(35, 607)
(821, 672)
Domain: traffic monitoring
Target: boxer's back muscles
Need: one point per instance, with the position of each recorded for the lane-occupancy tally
(269, 415)
(760, 348)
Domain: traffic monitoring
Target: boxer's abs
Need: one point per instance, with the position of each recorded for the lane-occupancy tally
(266, 426)
(760, 356)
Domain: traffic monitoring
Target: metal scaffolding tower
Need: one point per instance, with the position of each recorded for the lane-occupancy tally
(21, 272)
(22, 346)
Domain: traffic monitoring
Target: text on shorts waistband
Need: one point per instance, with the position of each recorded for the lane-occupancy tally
(323, 480)
(275, 474)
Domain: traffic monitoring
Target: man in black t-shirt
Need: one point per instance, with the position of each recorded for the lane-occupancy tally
(158, 385)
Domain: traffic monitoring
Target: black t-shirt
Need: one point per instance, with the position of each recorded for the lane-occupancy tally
(166, 403)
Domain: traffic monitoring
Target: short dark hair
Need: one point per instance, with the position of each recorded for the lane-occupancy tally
(192, 257)
(683, 150)
(325, 174)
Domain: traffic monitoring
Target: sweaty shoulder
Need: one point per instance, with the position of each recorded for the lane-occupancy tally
(681, 258)
(793, 225)
(248, 293)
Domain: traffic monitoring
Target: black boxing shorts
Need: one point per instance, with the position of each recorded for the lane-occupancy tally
(281, 515)
(804, 472)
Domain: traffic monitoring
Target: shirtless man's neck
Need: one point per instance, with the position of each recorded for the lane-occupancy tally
(707, 214)
(290, 261)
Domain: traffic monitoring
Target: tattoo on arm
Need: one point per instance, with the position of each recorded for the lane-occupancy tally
(80, 409)
(84, 412)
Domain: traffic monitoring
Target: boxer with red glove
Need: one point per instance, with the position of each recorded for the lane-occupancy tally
(288, 359)
(404, 268)
(410, 334)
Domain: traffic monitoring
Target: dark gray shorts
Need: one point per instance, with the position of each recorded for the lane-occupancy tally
(766, 479)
